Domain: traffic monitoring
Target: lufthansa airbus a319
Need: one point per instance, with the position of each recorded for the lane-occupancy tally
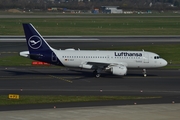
(116, 62)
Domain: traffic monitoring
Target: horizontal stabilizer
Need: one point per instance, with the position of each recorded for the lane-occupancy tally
(24, 53)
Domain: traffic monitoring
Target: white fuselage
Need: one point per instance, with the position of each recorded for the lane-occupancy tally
(131, 59)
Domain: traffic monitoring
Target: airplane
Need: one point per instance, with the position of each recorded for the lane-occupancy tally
(115, 62)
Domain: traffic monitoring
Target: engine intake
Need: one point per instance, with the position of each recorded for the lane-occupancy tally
(119, 70)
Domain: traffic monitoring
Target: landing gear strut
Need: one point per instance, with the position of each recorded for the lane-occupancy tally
(144, 72)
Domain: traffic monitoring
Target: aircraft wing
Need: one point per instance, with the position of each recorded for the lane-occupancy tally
(105, 65)
(97, 65)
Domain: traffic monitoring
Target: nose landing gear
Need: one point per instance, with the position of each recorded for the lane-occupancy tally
(144, 73)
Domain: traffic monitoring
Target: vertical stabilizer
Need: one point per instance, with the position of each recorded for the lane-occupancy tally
(39, 49)
(34, 40)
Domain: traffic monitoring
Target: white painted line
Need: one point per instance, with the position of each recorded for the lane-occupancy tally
(64, 39)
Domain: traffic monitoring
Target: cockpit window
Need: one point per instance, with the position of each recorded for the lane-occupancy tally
(156, 57)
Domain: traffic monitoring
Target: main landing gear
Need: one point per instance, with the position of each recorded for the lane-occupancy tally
(144, 73)
(97, 73)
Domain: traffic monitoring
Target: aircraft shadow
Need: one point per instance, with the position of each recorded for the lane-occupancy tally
(108, 75)
(82, 74)
(64, 73)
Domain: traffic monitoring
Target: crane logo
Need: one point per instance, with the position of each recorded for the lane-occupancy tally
(35, 42)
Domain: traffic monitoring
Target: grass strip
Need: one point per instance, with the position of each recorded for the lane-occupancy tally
(15, 60)
(34, 99)
(94, 26)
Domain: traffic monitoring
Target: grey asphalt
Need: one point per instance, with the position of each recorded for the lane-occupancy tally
(63, 81)
(96, 42)
(59, 80)
(109, 39)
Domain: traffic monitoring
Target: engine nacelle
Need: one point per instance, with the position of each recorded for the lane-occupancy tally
(119, 70)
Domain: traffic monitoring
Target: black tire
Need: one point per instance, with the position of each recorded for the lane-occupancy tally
(98, 75)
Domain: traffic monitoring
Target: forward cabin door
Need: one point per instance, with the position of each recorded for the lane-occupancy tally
(146, 57)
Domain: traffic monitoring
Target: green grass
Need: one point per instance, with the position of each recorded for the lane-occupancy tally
(94, 26)
(15, 60)
(32, 99)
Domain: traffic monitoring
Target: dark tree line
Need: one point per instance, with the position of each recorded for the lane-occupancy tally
(91, 4)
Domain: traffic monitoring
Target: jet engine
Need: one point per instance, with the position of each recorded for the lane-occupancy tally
(119, 70)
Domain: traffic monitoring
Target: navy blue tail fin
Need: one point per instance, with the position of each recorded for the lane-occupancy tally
(35, 41)
(38, 47)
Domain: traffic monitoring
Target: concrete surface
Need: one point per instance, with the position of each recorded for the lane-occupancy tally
(129, 112)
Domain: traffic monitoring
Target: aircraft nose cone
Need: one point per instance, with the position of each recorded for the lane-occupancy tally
(164, 63)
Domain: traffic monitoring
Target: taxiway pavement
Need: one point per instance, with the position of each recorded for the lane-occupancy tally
(63, 81)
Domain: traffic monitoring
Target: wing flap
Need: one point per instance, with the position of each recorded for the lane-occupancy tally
(105, 64)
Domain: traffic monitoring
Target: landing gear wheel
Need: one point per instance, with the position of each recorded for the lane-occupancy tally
(98, 75)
